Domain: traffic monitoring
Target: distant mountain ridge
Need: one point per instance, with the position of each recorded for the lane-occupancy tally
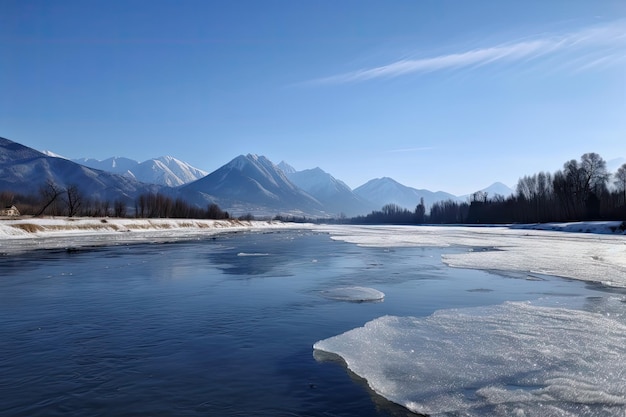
(24, 170)
(286, 168)
(386, 190)
(334, 194)
(115, 165)
(247, 184)
(252, 183)
(165, 170)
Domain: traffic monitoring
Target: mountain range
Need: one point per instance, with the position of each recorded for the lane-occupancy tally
(247, 184)
(24, 170)
(332, 193)
(252, 183)
(165, 170)
(392, 192)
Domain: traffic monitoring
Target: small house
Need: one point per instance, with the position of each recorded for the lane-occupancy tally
(9, 211)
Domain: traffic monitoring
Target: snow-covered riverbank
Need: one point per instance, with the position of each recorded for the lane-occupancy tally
(17, 235)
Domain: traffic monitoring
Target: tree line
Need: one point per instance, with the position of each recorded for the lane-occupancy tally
(394, 214)
(582, 190)
(54, 200)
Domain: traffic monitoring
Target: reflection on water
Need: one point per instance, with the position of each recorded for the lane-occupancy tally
(193, 328)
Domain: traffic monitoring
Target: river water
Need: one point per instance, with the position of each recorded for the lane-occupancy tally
(217, 327)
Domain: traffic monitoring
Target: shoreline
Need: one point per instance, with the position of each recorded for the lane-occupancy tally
(24, 234)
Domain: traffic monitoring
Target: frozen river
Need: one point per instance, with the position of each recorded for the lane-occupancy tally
(225, 326)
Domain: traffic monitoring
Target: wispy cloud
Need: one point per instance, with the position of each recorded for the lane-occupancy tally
(604, 44)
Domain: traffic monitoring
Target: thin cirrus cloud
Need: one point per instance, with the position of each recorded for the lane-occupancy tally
(598, 45)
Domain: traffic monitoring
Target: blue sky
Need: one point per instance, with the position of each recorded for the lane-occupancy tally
(443, 95)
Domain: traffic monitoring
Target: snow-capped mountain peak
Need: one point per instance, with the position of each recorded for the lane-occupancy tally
(164, 170)
(286, 168)
(333, 193)
(182, 172)
(116, 164)
(249, 182)
(52, 154)
(498, 188)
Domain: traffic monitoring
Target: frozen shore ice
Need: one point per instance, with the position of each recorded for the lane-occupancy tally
(514, 359)
(582, 256)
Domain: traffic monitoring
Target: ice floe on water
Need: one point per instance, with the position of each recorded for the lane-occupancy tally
(588, 257)
(355, 294)
(513, 359)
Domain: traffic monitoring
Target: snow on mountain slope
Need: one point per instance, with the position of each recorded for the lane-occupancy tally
(286, 168)
(116, 164)
(165, 170)
(252, 183)
(386, 190)
(318, 182)
(24, 170)
(334, 194)
(52, 154)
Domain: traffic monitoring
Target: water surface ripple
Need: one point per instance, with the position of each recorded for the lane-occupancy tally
(196, 329)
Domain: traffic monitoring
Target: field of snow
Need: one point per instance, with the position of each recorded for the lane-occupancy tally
(50, 233)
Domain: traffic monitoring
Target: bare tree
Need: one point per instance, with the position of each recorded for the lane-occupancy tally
(119, 208)
(73, 200)
(6, 198)
(620, 181)
(480, 197)
(106, 206)
(49, 194)
(141, 206)
(593, 175)
(215, 212)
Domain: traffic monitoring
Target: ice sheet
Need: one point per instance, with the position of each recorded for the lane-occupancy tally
(588, 256)
(355, 294)
(514, 359)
